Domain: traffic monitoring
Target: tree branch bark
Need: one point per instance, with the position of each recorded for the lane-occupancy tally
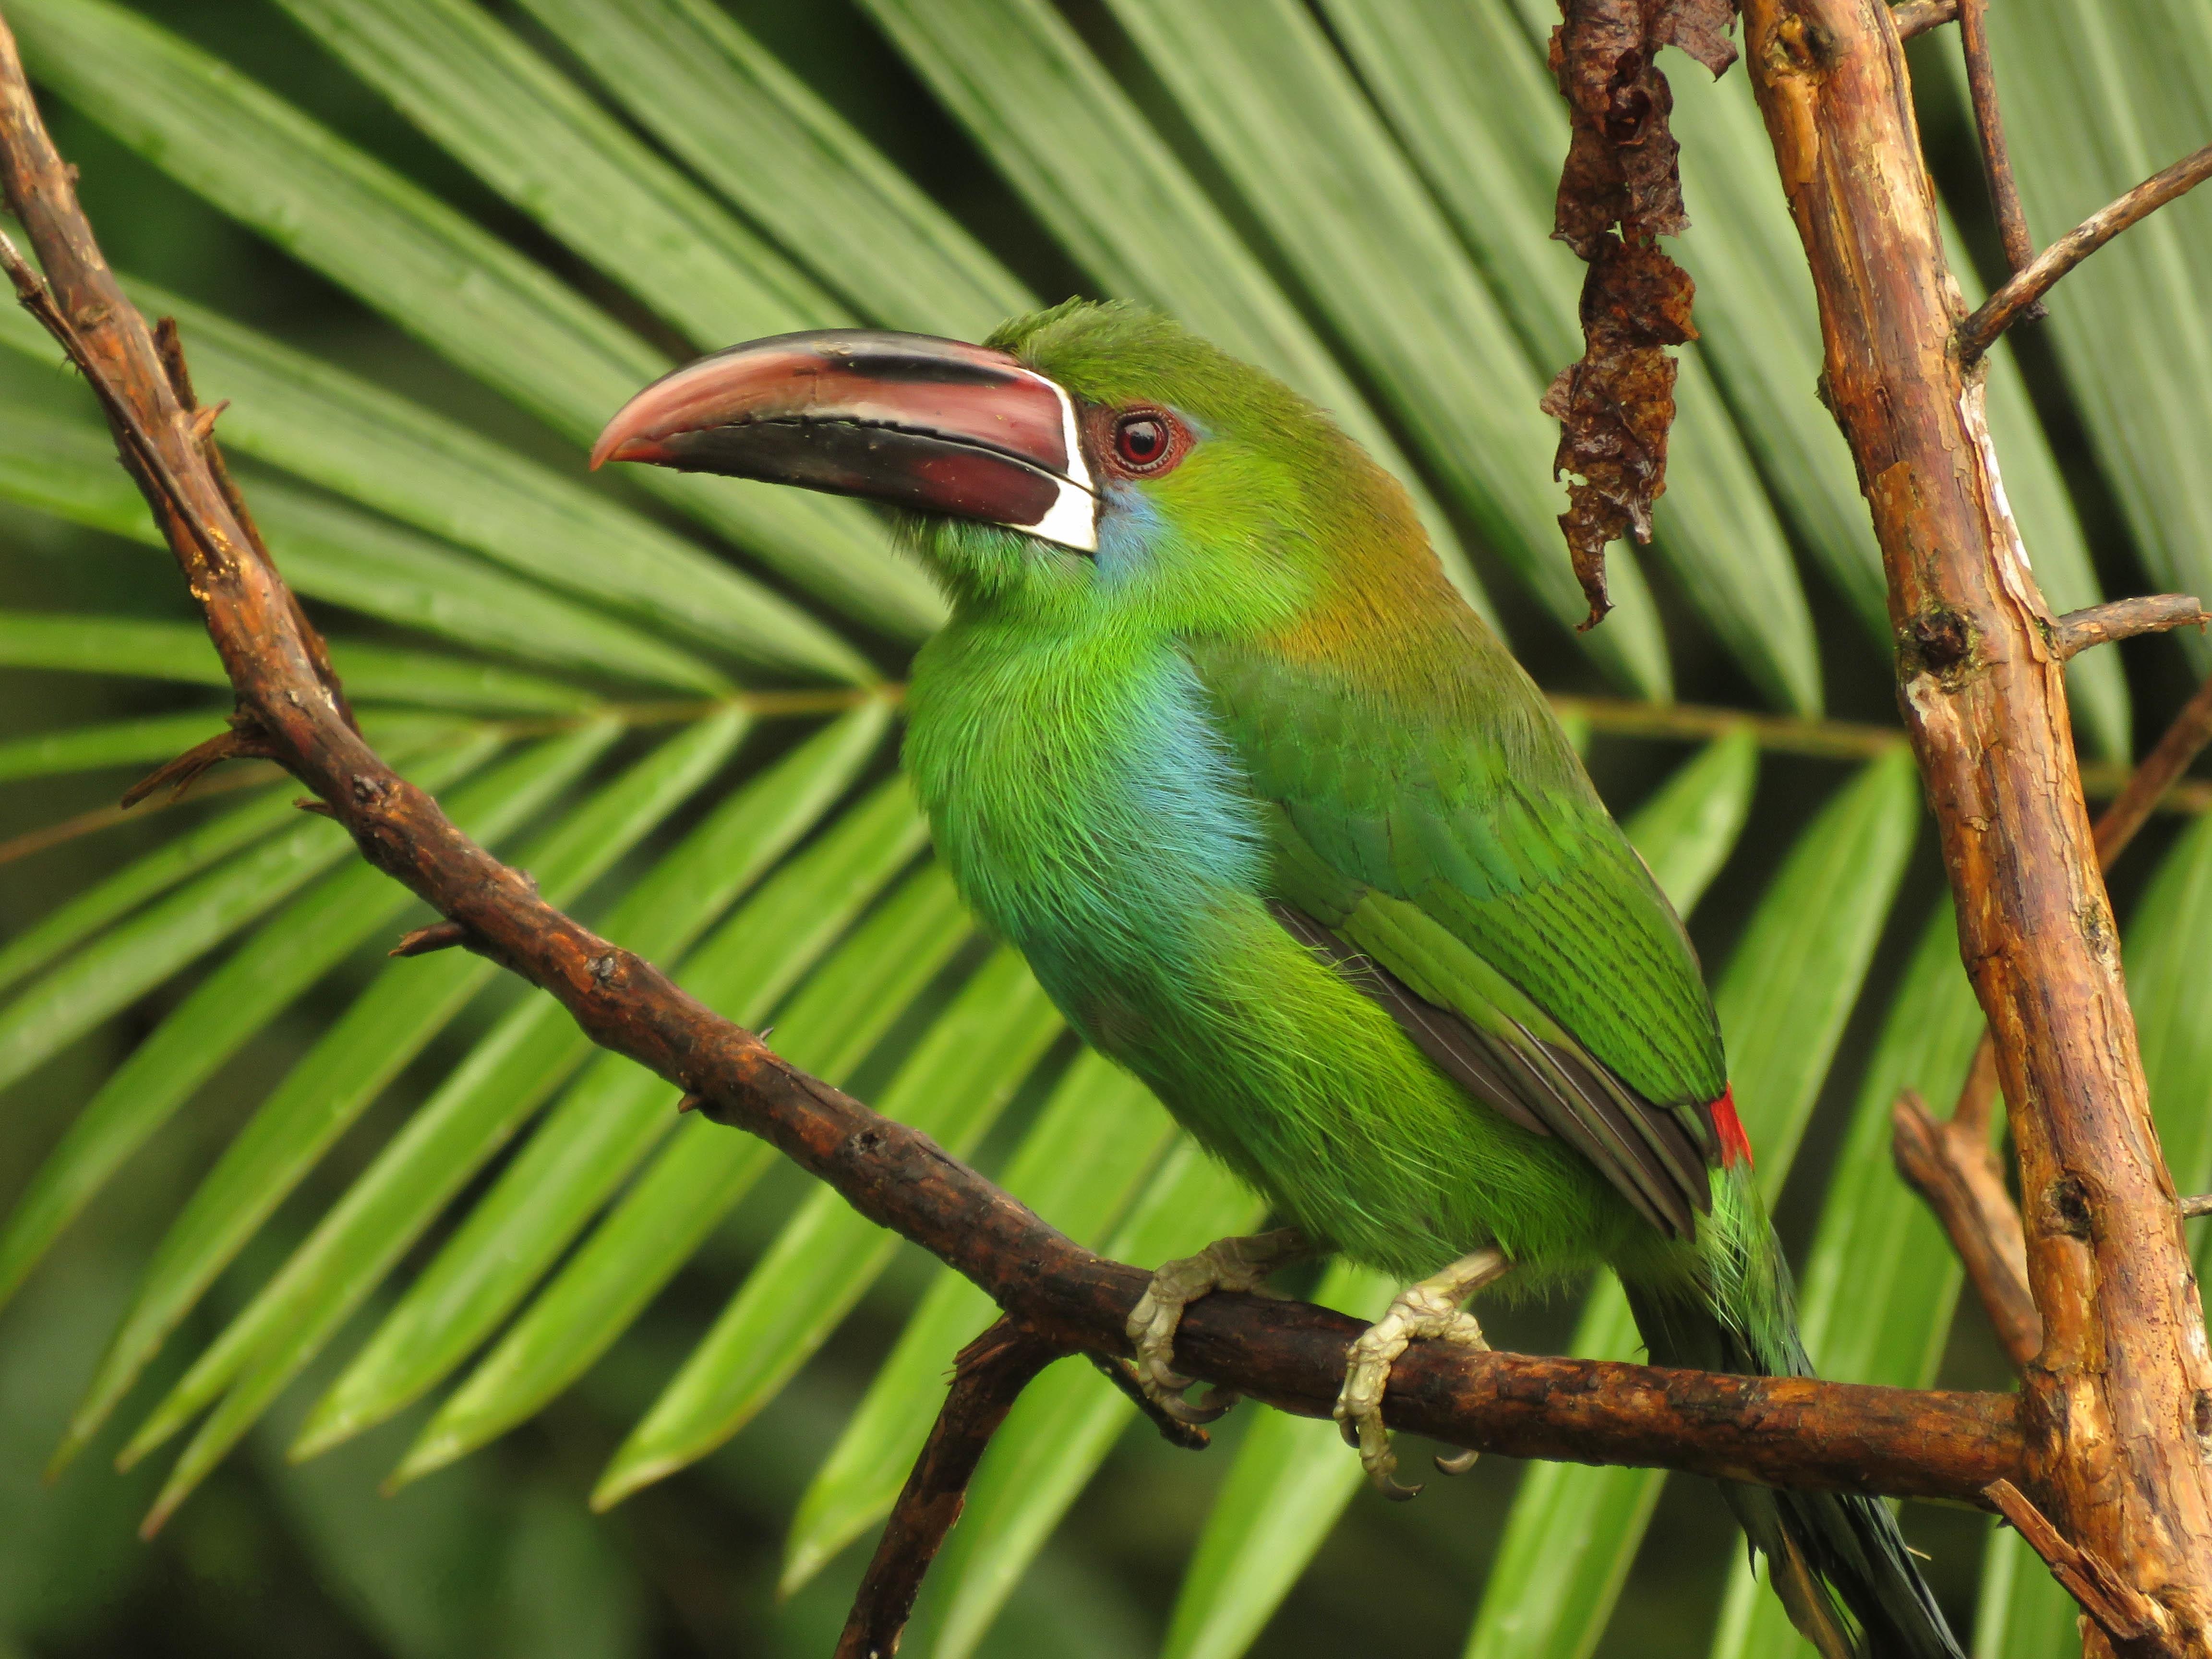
(1997, 156)
(2021, 296)
(1952, 1165)
(1778, 1431)
(1918, 17)
(2119, 1399)
(987, 1378)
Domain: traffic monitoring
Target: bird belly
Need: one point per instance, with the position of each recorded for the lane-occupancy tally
(1315, 1095)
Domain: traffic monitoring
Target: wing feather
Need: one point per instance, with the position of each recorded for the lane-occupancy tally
(1441, 846)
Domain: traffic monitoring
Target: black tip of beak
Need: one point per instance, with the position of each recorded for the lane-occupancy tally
(937, 426)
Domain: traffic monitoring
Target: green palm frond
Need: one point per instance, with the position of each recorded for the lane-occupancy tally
(436, 1212)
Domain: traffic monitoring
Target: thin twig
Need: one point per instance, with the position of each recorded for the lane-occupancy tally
(1952, 1166)
(2192, 1208)
(1997, 159)
(1189, 1437)
(2122, 1611)
(2005, 307)
(987, 1378)
(1911, 17)
(2184, 740)
(2123, 619)
(141, 451)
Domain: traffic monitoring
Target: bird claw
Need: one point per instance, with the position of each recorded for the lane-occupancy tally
(1428, 1310)
(1227, 1264)
(1457, 1463)
(1197, 1414)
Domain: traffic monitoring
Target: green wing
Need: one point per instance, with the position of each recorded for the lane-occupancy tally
(1435, 837)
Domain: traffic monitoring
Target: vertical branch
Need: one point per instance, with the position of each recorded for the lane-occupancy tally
(987, 1378)
(1996, 158)
(1952, 1165)
(2120, 1398)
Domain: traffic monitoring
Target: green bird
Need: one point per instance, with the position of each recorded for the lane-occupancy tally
(1282, 827)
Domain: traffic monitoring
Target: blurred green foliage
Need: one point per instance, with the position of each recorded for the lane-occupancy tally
(452, 233)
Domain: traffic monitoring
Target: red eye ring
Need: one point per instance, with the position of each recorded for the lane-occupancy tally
(1145, 440)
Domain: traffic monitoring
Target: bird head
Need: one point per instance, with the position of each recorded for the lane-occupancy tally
(1086, 456)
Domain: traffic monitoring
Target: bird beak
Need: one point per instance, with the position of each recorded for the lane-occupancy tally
(934, 425)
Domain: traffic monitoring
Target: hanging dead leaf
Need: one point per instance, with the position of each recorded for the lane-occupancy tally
(1620, 190)
(1616, 406)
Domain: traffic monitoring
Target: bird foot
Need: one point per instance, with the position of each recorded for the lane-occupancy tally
(1227, 1264)
(1427, 1310)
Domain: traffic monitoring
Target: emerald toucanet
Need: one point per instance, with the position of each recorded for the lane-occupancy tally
(1282, 828)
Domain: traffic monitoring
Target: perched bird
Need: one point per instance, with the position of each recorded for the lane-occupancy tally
(1282, 828)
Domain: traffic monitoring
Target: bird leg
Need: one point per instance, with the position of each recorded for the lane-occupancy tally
(1227, 1264)
(1430, 1309)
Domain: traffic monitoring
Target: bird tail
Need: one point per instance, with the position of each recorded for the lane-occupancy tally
(1836, 1559)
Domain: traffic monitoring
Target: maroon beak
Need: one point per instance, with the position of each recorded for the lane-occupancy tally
(933, 425)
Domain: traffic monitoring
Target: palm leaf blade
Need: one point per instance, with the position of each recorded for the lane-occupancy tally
(140, 953)
(1467, 99)
(436, 275)
(953, 1088)
(335, 553)
(534, 136)
(1285, 119)
(410, 1002)
(686, 72)
(1096, 173)
(184, 856)
(524, 1056)
(587, 1145)
(702, 1170)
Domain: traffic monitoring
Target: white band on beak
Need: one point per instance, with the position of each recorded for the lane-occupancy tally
(1072, 521)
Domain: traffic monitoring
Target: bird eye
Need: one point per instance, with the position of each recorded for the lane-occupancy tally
(1144, 440)
(1140, 438)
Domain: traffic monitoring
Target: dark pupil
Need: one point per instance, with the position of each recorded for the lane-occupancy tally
(1143, 440)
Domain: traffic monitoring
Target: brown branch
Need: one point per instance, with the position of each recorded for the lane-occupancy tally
(1187, 1437)
(1997, 159)
(2113, 1397)
(2184, 740)
(987, 1378)
(2123, 1611)
(2123, 619)
(1911, 17)
(2010, 303)
(1790, 1431)
(1952, 1166)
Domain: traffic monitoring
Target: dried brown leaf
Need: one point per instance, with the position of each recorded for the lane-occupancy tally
(1619, 191)
(1616, 405)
